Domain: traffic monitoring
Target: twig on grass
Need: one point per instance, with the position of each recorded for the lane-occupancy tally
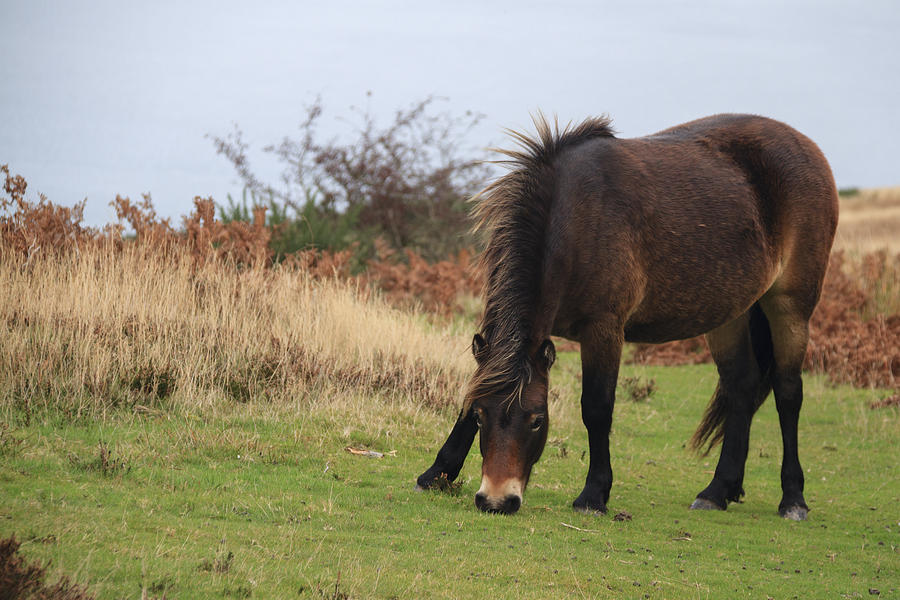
(369, 453)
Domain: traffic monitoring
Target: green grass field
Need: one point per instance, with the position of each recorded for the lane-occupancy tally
(263, 501)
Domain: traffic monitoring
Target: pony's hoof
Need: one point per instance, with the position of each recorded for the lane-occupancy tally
(704, 504)
(584, 504)
(795, 513)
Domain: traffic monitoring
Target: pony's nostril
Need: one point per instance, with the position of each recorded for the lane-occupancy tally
(511, 504)
(481, 501)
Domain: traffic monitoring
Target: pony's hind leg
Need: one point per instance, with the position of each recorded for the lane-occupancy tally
(790, 335)
(742, 387)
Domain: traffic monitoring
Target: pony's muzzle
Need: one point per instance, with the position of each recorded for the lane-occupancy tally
(505, 499)
(506, 505)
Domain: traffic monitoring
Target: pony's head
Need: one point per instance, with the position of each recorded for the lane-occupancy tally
(508, 400)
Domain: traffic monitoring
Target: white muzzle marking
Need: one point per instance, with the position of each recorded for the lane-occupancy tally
(495, 493)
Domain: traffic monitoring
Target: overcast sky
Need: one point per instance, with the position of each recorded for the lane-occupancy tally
(106, 97)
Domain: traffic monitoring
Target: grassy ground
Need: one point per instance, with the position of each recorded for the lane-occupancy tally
(175, 429)
(262, 500)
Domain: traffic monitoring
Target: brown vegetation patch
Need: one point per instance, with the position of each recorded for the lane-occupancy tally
(886, 402)
(21, 579)
(435, 286)
(846, 345)
(855, 331)
(406, 280)
(692, 351)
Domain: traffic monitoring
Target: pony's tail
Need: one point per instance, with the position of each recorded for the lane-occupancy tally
(712, 428)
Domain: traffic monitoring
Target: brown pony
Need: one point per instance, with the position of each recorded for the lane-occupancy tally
(721, 226)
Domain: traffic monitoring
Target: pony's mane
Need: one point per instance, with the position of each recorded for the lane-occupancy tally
(514, 211)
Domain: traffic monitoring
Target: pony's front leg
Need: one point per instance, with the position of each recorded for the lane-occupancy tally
(600, 369)
(452, 455)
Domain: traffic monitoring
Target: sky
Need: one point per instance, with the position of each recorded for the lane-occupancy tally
(107, 97)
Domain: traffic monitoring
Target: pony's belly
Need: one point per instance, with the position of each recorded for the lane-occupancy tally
(687, 324)
(697, 306)
(665, 331)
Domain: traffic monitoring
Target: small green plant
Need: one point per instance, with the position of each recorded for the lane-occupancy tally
(9, 443)
(444, 485)
(241, 210)
(304, 226)
(221, 562)
(155, 383)
(312, 225)
(237, 591)
(327, 591)
(105, 463)
(638, 389)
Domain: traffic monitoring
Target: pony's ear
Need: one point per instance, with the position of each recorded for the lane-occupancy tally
(546, 355)
(478, 346)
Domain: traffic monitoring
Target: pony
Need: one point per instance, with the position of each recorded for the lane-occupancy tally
(721, 226)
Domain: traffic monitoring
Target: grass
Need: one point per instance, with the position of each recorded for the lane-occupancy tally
(262, 500)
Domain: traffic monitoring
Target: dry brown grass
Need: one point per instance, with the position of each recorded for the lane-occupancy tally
(195, 316)
(870, 221)
(198, 315)
(105, 326)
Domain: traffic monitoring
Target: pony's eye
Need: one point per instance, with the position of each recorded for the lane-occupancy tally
(537, 423)
(477, 419)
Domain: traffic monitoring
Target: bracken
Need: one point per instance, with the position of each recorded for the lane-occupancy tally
(854, 332)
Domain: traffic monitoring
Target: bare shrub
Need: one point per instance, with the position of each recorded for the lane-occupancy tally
(406, 182)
